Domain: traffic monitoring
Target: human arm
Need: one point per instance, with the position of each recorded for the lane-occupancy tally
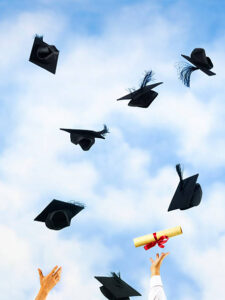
(156, 287)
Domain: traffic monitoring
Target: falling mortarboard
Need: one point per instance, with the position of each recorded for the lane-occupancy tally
(200, 61)
(58, 214)
(44, 55)
(114, 288)
(85, 138)
(188, 192)
(144, 96)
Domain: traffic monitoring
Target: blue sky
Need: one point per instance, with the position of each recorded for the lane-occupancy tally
(128, 179)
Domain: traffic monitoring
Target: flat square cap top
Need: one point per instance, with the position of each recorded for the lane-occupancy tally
(83, 133)
(56, 205)
(142, 91)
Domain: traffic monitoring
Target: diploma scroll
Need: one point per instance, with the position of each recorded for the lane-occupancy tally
(148, 238)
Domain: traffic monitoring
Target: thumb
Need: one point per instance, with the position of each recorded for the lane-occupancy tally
(40, 273)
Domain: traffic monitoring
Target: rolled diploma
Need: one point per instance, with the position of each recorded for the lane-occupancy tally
(148, 238)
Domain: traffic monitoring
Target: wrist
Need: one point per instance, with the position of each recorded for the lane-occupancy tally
(155, 272)
(42, 294)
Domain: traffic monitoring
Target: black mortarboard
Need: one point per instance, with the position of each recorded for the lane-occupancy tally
(44, 55)
(114, 288)
(85, 138)
(188, 192)
(58, 214)
(201, 62)
(144, 96)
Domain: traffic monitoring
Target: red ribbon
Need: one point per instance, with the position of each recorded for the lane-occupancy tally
(162, 240)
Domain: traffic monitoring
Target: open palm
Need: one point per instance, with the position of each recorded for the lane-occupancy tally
(49, 281)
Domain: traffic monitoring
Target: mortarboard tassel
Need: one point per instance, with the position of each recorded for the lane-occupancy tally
(104, 131)
(40, 37)
(180, 173)
(115, 275)
(147, 78)
(117, 278)
(185, 73)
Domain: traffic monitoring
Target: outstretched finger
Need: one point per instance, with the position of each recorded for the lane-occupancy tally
(53, 270)
(157, 255)
(151, 260)
(165, 254)
(58, 271)
(57, 276)
(40, 273)
(162, 256)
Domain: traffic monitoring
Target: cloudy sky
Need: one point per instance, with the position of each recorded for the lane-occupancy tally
(127, 180)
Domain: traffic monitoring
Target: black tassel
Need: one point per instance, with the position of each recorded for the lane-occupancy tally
(179, 171)
(104, 131)
(117, 277)
(147, 78)
(40, 37)
(185, 73)
(180, 174)
(131, 90)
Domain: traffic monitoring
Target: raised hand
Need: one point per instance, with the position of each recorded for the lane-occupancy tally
(156, 264)
(48, 282)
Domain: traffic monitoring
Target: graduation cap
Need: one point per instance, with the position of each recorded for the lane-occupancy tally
(188, 192)
(85, 138)
(58, 214)
(44, 55)
(144, 96)
(201, 62)
(114, 288)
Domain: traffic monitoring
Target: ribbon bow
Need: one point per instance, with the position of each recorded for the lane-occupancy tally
(162, 240)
